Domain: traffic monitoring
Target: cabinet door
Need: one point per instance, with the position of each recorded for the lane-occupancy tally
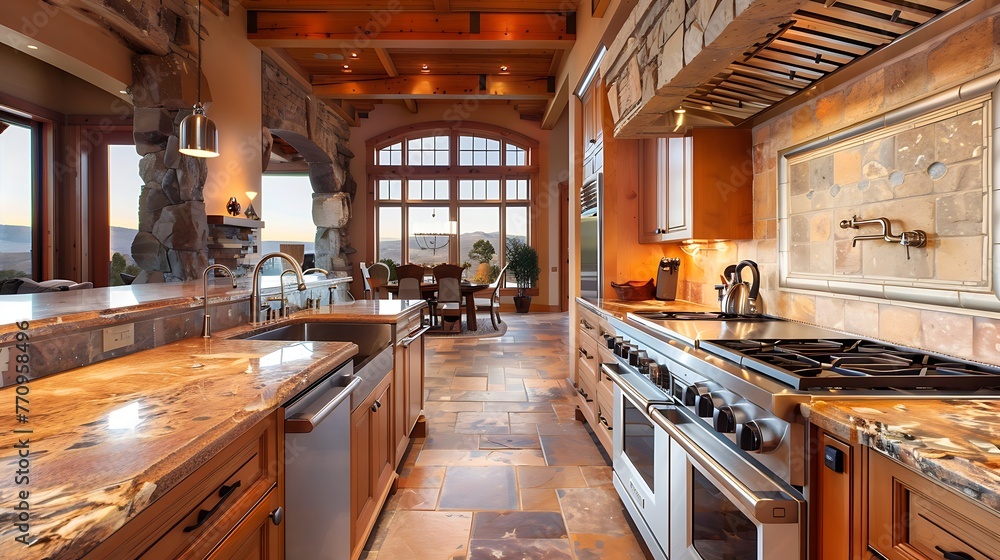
(260, 536)
(383, 446)
(652, 190)
(400, 426)
(678, 195)
(362, 483)
(414, 382)
(592, 109)
(838, 526)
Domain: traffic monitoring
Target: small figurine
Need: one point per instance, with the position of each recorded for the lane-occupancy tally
(233, 206)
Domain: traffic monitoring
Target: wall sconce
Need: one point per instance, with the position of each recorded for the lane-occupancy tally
(198, 135)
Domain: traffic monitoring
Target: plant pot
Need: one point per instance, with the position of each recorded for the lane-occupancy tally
(522, 303)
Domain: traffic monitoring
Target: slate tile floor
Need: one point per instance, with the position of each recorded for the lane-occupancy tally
(505, 472)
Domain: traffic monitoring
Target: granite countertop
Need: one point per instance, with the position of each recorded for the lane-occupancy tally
(97, 305)
(193, 397)
(619, 308)
(951, 441)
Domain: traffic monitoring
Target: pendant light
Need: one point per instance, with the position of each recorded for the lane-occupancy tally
(198, 135)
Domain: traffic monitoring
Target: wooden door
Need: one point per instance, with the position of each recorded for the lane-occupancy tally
(362, 483)
(260, 536)
(400, 414)
(414, 382)
(383, 446)
(679, 185)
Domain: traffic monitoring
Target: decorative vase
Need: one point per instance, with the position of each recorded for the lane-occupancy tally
(251, 213)
(233, 206)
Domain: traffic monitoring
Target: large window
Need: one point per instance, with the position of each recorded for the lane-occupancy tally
(452, 196)
(285, 205)
(17, 198)
(124, 186)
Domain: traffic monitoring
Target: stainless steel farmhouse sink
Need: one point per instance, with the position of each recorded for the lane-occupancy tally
(370, 338)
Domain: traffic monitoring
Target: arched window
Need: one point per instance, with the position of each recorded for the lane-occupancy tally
(440, 193)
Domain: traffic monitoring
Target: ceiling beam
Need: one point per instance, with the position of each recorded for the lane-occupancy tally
(390, 69)
(125, 19)
(443, 6)
(555, 108)
(349, 114)
(437, 87)
(291, 66)
(366, 30)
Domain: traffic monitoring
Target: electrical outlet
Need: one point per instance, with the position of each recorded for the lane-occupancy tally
(118, 336)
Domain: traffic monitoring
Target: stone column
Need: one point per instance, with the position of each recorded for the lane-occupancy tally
(173, 229)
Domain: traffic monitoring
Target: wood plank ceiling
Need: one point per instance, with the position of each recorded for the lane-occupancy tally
(817, 40)
(358, 54)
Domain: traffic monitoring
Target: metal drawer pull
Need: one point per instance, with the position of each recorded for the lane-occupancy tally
(277, 515)
(604, 421)
(224, 493)
(376, 406)
(585, 354)
(954, 555)
(584, 395)
(586, 325)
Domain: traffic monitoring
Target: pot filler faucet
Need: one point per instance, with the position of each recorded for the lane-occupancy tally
(206, 325)
(915, 238)
(255, 285)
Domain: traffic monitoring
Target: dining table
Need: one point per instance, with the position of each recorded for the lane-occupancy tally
(428, 289)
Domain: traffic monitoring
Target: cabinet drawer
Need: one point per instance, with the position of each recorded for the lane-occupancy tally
(225, 488)
(605, 417)
(912, 517)
(589, 324)
(588, 359)
(587, 395)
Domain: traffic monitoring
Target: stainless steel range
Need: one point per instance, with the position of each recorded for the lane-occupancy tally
(711, 459)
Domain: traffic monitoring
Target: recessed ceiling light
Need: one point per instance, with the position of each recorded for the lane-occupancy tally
(503, 68)
(354, 55)
(33, 47)
(122, 91)
(425, 68)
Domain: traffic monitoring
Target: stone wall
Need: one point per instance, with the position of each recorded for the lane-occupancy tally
(173, 229)
(322, 137)
(934, 66)
(668, 48)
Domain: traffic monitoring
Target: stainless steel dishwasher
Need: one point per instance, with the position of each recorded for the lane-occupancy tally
(318, 469)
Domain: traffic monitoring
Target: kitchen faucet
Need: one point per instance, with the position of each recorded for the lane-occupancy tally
(206, 325)
(324, 272)
(255, 286)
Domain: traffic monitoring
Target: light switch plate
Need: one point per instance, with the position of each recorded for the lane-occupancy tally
(119, 336)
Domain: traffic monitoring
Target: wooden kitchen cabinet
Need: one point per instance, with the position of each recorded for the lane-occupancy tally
(593, 108)
(698, 186)
(588, 376)
(837, 498)
(408, 379)
(218, 508)
(911, 517)
(259, 536)
(372, 460)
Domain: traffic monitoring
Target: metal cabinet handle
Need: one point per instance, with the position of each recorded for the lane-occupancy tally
(585, 354)
(584, 395)
(277, 515)
(377, 405)
(203, 515)
(954, 555)
(585, 324)
(604, 421)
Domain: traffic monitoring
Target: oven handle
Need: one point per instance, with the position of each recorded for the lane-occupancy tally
(765, 509)
(626, 387)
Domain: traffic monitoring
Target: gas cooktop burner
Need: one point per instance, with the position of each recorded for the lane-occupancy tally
(699, 316)
(853, 363)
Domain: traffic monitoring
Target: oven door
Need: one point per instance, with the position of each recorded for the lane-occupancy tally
(723, 506)
(640, 455)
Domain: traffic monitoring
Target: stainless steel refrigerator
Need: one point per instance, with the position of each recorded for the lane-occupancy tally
(591, 236)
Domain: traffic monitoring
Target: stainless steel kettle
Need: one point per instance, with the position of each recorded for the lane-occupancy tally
(739, 297)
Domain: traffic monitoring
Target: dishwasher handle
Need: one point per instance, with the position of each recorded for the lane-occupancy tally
(304, 423)
(406, 342)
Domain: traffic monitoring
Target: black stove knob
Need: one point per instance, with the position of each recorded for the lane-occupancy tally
(759, 436)
(690, 395)
(610, 339)
(728, 417)
(619, 344)
(636, 356)
(706, 403)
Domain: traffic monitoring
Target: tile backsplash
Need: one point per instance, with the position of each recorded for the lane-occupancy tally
(950, 214)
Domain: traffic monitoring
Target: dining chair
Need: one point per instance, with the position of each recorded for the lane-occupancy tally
(378, 276)
(410, 276)
(364, 277)
(493, 302)
(449, 295)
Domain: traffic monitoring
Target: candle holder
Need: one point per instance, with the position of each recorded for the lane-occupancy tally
(251, 213)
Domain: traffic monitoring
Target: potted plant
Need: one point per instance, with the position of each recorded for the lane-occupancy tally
(522, 263)
(482, 252)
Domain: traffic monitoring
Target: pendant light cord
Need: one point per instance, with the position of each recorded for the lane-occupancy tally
(199, 52)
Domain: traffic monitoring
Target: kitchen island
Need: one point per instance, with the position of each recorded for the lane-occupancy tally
(103, 442)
